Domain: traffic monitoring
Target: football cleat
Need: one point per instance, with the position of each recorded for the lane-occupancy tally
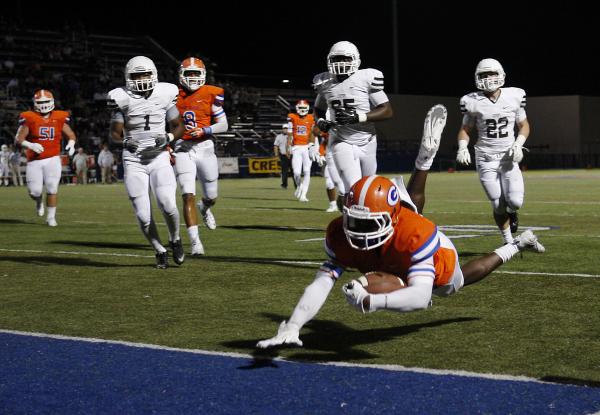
(527, 241)
(434, 124)
(162, 260)
(40, 208)
(197, 248)
(297, 192)
(209, 219)
(178, 255)
(51, 222)
(303, 199)
(514, 221)
(286, 334)
(332, 208)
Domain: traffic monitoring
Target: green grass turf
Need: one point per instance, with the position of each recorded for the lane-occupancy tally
(520, 324)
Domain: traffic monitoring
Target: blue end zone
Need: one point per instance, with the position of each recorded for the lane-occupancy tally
(43, 375)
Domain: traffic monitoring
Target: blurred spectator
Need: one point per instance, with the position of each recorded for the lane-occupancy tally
(106, 160)
(4, 165)
(14, 164)
(80, 166)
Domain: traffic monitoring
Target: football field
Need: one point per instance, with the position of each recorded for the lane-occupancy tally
(93, 276)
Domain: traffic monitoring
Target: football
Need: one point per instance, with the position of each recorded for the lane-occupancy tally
(381, 282)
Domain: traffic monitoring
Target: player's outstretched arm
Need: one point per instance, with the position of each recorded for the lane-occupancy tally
(307, 308)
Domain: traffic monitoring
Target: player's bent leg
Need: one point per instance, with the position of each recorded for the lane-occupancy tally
(52, 172)
(207, 216)
(35, 184)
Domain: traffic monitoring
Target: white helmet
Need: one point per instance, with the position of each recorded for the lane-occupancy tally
(337, 62)
(43, 101)
(192, 73)
(138, 65)
(489, 83)
(302, 107)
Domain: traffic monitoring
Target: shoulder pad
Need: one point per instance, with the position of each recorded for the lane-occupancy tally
(373, 78)
(117, 99)
(322, 81)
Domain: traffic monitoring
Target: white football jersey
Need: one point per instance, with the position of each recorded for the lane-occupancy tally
(143, 117)
(495, 121)
(363, 91)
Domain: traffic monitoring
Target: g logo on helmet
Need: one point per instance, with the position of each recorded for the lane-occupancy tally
(393, 196)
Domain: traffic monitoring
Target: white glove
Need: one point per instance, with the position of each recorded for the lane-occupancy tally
(355, 294)
(35, 147)
(313, 153)
(516, 151)
(70, 147)
(321, 161)
(286, 334)
(463, 156)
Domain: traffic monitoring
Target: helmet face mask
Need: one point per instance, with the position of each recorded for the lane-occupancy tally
(43, 101)
(370, 212)
(343, 59)
(302, 107)
(192, 73)
(489, 75)
(140, 74)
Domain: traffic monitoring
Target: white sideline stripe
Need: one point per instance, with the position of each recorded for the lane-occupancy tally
(394, 368)
(36, 251)
(552, 274)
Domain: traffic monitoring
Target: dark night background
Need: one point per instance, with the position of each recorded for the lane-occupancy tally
(545, 50)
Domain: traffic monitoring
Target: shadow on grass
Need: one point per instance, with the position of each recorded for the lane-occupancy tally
(97, 244)
(268, 261)
(18, 222)
(571, 381)
(272, 228)
(68, 261)
(335, 340)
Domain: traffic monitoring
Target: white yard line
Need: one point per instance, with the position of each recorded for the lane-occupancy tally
(395, 368)
(37, 251)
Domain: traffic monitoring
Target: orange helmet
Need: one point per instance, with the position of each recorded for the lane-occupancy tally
(371, 210)
(302, 107)
(43, 101)
(192, 73)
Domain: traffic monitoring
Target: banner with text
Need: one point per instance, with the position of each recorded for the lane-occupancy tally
(228, 165)
(264, 165)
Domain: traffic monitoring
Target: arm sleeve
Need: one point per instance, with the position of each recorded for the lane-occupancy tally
(521, 115)
(312, 299)
(117, 116)
(378, 98)
(220, 125)
(320, 102)
(468, 119)
(172, 113)
(417, 296)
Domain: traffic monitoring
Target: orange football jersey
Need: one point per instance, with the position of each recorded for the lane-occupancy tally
(415, 238)
(301, 128)
(323, 145)
(45, 131)
(196, 108)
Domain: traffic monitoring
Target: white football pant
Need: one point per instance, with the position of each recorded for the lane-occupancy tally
(354, 162)
(200, 161)
(43, 172)
(301, 164)
(501, 179)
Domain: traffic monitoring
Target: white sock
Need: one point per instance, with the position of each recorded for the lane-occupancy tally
(507, 236)
(193, 233)
(51, 212)
(332, 203)
(506, 252)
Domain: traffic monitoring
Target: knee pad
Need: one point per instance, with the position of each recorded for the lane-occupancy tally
(143, 211)
(211, 189)
(165, 197)
(515, 201)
